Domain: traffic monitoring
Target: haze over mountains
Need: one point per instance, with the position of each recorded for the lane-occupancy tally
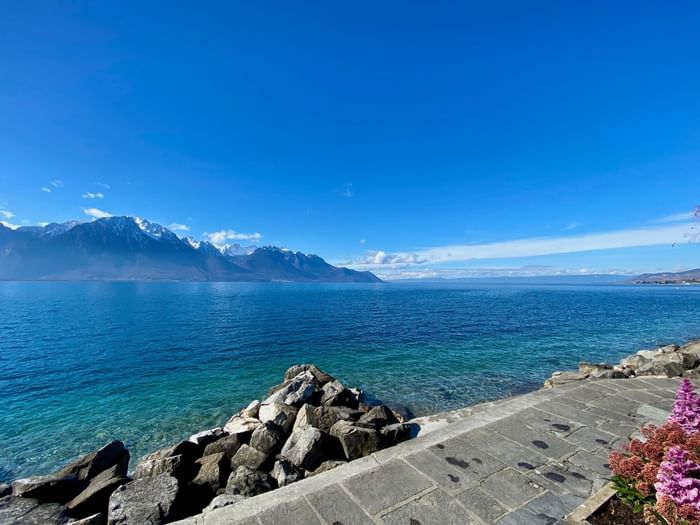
(130, 248)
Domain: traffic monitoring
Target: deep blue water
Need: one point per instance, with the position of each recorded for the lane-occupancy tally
(150, 363)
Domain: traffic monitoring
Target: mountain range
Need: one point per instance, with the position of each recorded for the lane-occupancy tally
(131, 248)
(686, 277)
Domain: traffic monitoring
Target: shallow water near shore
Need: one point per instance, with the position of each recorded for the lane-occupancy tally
(151, 363)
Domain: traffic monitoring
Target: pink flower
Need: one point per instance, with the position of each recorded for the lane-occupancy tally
(686, 409)
(677, 478)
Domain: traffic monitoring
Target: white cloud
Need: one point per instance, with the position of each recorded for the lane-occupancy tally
(676, 217)
(630, 238)
(571, 226)
(179, 227)
(362, 241)
(105, 186)
(347, 190)
(9, 225)
(498, 271)
(46, 190)
(56, 183)
(7, 214)
(98, 214)
(90, 195)
(219, 238)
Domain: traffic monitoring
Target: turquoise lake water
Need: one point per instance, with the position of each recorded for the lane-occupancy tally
(151, 363)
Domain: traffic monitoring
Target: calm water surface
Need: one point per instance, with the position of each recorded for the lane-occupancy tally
(150, 363)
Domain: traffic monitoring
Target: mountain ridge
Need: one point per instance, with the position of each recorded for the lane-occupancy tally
(684, 277)
(131, 248)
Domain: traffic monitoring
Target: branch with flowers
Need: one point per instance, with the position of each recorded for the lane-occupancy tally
(660, 475)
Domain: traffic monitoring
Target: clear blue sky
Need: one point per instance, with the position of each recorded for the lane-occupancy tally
(421, 137)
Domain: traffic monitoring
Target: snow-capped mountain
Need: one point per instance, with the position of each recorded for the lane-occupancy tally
(132, 248)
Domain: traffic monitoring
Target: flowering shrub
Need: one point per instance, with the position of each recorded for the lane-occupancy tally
(661, 475)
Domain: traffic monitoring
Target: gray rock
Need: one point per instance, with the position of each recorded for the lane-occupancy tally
(143, 501)
(608, 374)
(295, 391)
(321, 376)
(90, 465)
(377, 417)
(668, 349)
(170, 466)
(207, 436)
(586, 368)
(323, 417)
(281, 414)
(634, 361)
(335, 394)
(648, 354)
(645, 367)
(95, 497)
(356, 441)
(391, 435)
(212, 473)
(325, 467)
(305, 417)
(266, 438)
(564, 378)
(252, 409)
(227, 445)
(304, 448)
(26, 511)
(242, 426)
(248, 482)
(5, 490)
(53, 488)
(669, 364)
(285, 473)
(224, 500)
(249, 457)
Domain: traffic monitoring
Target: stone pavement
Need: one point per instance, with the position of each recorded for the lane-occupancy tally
(525, 460)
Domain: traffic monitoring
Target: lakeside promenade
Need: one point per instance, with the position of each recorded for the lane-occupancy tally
(525, 460)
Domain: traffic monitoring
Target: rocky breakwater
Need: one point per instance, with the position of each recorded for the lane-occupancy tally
(666, 361)
(310, 423)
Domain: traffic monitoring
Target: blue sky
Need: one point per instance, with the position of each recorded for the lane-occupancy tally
(414, 139)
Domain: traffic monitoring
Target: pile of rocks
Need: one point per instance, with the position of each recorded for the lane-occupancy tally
(308, 424)
(667, 361)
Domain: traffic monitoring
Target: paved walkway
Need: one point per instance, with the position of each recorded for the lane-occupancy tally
(526, 460)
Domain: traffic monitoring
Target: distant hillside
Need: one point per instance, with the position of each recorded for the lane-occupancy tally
(687, 277)
(129, 248)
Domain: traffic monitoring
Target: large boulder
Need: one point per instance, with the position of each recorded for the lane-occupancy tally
(266, 438)
(207, 436)
(335, 394)
(391, 435)
(27, 511)
(241, 426)
(377, 417)
(305, 447)
(321, 376)
(285, 472)
(248, 482)
(564, 378)
(280, 414)
(252, 409)
(95, 497)
(212, 473)
(691, 353)
(356, 441)
(90, 465)
(170, 466)
(586, 368)
(669, 364)
(296, 391)
(325, 417)
(249, 457)
(227, 445)
(5, 490)
(144, 501)
(53, 488)
(175, 461)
